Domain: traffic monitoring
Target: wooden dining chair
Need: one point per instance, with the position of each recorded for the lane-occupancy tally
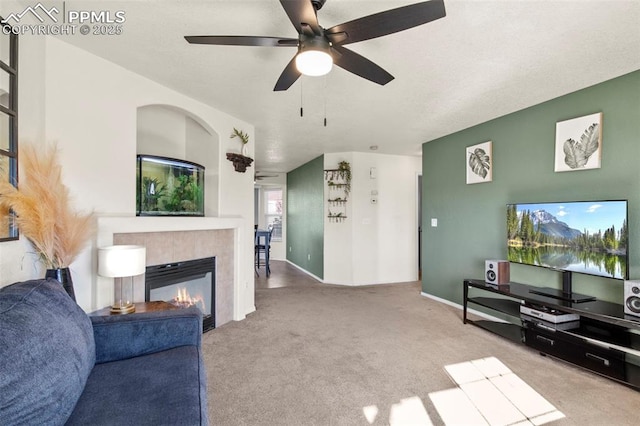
(263, 246)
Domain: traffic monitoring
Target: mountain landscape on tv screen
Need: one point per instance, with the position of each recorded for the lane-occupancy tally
(537, 237)
(548, 224)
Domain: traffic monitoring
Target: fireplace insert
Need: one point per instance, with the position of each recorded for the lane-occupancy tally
(185, 283)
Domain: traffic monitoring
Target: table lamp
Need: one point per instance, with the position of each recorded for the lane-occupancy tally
(120, 262)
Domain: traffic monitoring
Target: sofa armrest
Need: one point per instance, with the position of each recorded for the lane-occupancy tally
(126, 336)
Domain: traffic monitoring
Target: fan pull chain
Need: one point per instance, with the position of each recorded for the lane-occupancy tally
(325, 100)
(301, 110)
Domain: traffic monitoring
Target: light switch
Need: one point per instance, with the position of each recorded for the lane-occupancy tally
(434, 222)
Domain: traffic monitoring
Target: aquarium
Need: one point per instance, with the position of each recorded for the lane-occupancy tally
(169, 187)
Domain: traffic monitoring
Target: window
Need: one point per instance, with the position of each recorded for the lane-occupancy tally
(273, 212)
(8, 123)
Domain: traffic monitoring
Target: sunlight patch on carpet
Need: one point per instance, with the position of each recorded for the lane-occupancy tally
(488, 393)
(370, 413)
(455, 408)
(409, 411)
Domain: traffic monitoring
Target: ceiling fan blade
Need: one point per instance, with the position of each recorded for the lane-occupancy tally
(260, 176)
(359, 65)
(387, 22)
(243, 41)
(301, 12)
(288, 76)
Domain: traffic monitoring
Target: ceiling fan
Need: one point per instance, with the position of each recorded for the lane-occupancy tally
(260, 176)
(319, 48)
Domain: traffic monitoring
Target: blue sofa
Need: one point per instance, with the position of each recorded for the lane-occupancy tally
(60, 366)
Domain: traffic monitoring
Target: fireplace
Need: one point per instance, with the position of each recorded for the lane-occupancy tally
(184, 284)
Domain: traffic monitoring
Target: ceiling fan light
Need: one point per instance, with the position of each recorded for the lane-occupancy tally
(314, 62)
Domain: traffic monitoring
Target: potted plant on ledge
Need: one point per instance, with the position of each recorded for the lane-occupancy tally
(240, 161)
(41, 205)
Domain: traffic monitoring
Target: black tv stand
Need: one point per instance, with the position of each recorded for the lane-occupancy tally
(555, 293)
(602, 339)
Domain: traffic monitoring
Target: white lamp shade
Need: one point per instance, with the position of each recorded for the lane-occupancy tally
(122, 261)
(314, 62)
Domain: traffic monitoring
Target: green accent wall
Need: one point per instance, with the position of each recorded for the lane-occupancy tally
(305, 216)
(472, 218)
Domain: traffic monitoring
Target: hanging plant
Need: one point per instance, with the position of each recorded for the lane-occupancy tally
(344, 169)
(338, 180)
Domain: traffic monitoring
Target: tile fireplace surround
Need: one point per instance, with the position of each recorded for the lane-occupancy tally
(177, 239)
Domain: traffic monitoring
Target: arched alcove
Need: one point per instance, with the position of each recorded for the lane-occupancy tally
(169, 131)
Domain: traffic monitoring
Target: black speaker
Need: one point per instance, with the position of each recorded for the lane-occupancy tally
(496, 271)
(632, 298)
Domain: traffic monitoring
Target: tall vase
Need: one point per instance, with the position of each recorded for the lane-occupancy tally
(63, 276)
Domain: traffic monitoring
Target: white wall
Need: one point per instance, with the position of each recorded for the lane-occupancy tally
(338, 251)
(161, 131)
(89, 107)
(378, 243)
(204, 148)
(170, 132)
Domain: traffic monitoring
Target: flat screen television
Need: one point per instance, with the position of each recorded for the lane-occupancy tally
(587, 237)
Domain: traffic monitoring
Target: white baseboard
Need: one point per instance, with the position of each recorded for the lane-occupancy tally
(305, 271)
(458, 306)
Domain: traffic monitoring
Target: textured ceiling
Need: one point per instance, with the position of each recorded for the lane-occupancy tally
(483, 60)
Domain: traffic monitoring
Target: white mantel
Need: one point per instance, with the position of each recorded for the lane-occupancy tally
(109, 225)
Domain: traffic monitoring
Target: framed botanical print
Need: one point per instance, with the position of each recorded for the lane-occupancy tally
(479, 160)
(579, 143)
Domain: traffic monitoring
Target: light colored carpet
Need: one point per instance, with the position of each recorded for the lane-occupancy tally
(317, 354)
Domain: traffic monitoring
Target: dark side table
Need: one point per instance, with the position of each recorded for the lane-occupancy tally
(140, 307)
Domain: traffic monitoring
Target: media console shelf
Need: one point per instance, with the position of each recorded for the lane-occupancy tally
(599, 337)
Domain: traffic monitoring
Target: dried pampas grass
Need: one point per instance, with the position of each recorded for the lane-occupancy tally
(42, 207)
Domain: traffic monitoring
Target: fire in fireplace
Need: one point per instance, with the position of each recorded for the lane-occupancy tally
(184, 284)
(184, 299)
